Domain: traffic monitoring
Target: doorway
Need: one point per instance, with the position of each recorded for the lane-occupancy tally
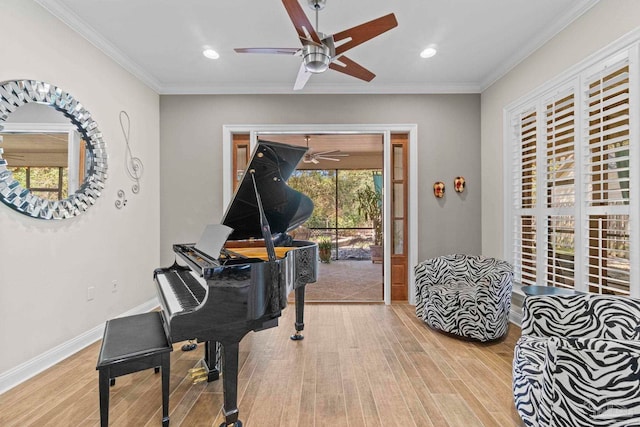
(347, 218)
(390, 200)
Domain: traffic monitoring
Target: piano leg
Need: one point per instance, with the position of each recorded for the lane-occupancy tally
(299, 313)
(211, 360)
(230, 384)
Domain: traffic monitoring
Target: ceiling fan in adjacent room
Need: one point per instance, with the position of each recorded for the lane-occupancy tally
(320, 51)
(311, 157)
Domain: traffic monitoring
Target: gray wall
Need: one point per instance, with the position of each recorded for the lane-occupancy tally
(448, 138)
(47, 266)
(600, 26)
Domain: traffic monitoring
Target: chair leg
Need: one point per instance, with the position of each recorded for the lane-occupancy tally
(104, 397)
(165, 389)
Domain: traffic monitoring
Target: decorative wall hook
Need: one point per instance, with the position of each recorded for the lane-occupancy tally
(121, 202)
(459, 184)
(438, 189)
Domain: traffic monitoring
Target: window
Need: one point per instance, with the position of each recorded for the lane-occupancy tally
(50, 183)
(571, 201)
(345, 203)
(525, 251)
(607, 171)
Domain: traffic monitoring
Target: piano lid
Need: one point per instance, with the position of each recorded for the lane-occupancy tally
(285, 208)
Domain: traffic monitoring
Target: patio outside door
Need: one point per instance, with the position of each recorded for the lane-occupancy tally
(399, 224)
(399, 189)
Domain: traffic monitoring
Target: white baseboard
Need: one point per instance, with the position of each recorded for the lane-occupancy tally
(30, 368)
(515, 316)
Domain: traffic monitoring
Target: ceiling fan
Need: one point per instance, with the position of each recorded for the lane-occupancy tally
(311, 157)
(320, 51)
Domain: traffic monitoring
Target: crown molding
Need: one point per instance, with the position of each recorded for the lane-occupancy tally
(550, 32)
(64, 14)
(332, 89)
(68, 17)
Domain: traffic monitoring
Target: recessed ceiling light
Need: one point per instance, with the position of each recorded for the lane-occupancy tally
(211, 54)
(428, 52)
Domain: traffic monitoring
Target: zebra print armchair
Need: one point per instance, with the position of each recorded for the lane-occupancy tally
(577, 362)
(466, 295)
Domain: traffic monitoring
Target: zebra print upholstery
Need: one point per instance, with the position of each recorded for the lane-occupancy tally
(577, 362)
(465, 295)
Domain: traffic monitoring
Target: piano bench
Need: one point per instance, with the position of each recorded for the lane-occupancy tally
(131, 344)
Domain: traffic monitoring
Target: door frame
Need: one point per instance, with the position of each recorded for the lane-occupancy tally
(385, 130)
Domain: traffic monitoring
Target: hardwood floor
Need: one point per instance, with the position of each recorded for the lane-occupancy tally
(359, 365)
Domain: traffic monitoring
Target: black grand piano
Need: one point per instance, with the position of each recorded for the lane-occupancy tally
(217, 298)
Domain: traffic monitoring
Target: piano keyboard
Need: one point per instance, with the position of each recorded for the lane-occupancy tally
(182, 290)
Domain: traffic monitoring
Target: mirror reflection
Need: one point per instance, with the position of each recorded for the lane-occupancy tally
(44, 151)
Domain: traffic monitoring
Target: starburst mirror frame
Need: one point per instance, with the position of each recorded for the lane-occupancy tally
(13, 95)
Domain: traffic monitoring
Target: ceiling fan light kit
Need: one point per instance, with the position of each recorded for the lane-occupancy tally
(316, 58)
(318, 50)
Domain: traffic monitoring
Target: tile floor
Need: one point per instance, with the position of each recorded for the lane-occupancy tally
(347, 281)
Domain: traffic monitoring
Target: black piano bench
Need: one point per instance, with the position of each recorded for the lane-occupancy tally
(131, 344)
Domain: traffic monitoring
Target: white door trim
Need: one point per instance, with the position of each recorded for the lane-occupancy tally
(386, 130)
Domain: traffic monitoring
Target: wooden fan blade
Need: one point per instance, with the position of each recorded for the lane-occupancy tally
(327, 158)
(331, 152)
(306, 41)
(302, 78)
(364, 32)
(332, 155)
(300, 20)
(272, 50)
(351, 68)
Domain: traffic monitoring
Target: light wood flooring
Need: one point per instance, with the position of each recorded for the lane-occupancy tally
(359, 365)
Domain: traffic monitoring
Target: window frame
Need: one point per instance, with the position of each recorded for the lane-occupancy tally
(574, 81)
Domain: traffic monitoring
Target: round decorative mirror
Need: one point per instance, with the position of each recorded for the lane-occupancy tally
(53, 162)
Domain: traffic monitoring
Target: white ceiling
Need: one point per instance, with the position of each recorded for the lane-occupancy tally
(161, 41)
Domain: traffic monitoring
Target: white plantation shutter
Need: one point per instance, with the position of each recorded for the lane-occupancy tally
(606, 198)
(560, 238)
(526, 258)
(560, 189)
(528, 151)
(574, 193)
(560, 151)
(525, 132)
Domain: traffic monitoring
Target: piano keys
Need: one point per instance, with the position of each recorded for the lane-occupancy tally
(218, 296)
(182, 290)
